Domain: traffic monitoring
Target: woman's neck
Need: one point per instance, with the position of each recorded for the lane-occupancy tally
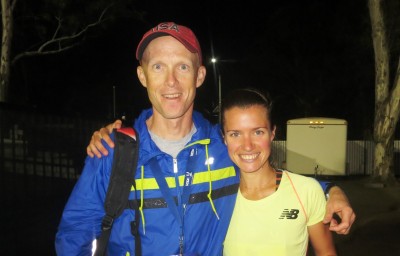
(258, 185)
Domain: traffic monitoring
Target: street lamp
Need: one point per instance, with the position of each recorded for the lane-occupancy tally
(214, 61)
(218, 82)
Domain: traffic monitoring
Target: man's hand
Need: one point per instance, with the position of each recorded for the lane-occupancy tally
(339, 203)
(95, 146)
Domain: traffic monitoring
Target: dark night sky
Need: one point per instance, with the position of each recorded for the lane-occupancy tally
(314, 57)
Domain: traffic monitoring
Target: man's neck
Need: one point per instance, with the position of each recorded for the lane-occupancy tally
(170, 129)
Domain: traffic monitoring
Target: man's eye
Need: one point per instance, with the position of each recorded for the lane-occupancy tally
(157, 66)
(184, 67)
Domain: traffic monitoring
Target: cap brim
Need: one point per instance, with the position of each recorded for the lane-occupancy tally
(145, 42)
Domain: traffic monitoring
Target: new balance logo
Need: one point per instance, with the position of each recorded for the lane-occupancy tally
(289, 214)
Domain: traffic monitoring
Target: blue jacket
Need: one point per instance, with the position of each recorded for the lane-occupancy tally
(206, 193)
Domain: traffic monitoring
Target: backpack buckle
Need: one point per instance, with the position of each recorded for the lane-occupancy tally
(107, 222)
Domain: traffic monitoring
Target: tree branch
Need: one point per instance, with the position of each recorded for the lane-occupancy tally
(55, 40)
(13, 3)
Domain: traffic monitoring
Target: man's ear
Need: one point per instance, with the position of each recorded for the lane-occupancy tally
(141, 76)
(201, 76)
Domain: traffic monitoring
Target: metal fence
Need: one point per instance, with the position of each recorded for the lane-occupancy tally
(43, 144)
(359, 156)
(53, 146)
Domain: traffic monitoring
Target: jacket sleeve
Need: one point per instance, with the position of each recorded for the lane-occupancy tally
(81, 219)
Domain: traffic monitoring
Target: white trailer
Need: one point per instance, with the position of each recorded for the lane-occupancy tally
(316, 146)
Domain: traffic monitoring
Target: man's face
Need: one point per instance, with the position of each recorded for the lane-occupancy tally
(171, 74)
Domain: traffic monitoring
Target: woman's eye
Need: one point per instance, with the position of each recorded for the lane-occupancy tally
(259, 132)
(234, 134)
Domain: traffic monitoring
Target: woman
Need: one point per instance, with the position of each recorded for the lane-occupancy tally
(276, 211)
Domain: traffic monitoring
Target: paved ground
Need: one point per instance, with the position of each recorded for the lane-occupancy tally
(29, 217)
(376, 230)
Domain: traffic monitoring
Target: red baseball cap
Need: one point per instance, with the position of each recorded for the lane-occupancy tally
(183, 34)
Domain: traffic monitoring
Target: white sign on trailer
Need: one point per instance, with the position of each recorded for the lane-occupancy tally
(316, 146)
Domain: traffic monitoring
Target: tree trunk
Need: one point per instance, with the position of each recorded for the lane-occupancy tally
(7, 25)
(386, 104)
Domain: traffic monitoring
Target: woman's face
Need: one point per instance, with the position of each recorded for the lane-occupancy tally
(248, 136)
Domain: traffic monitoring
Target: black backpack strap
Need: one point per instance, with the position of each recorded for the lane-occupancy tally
(122, 178)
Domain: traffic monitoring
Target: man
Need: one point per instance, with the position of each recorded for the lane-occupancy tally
(179, 144)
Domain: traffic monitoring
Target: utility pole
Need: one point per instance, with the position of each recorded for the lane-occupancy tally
(219, 99)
